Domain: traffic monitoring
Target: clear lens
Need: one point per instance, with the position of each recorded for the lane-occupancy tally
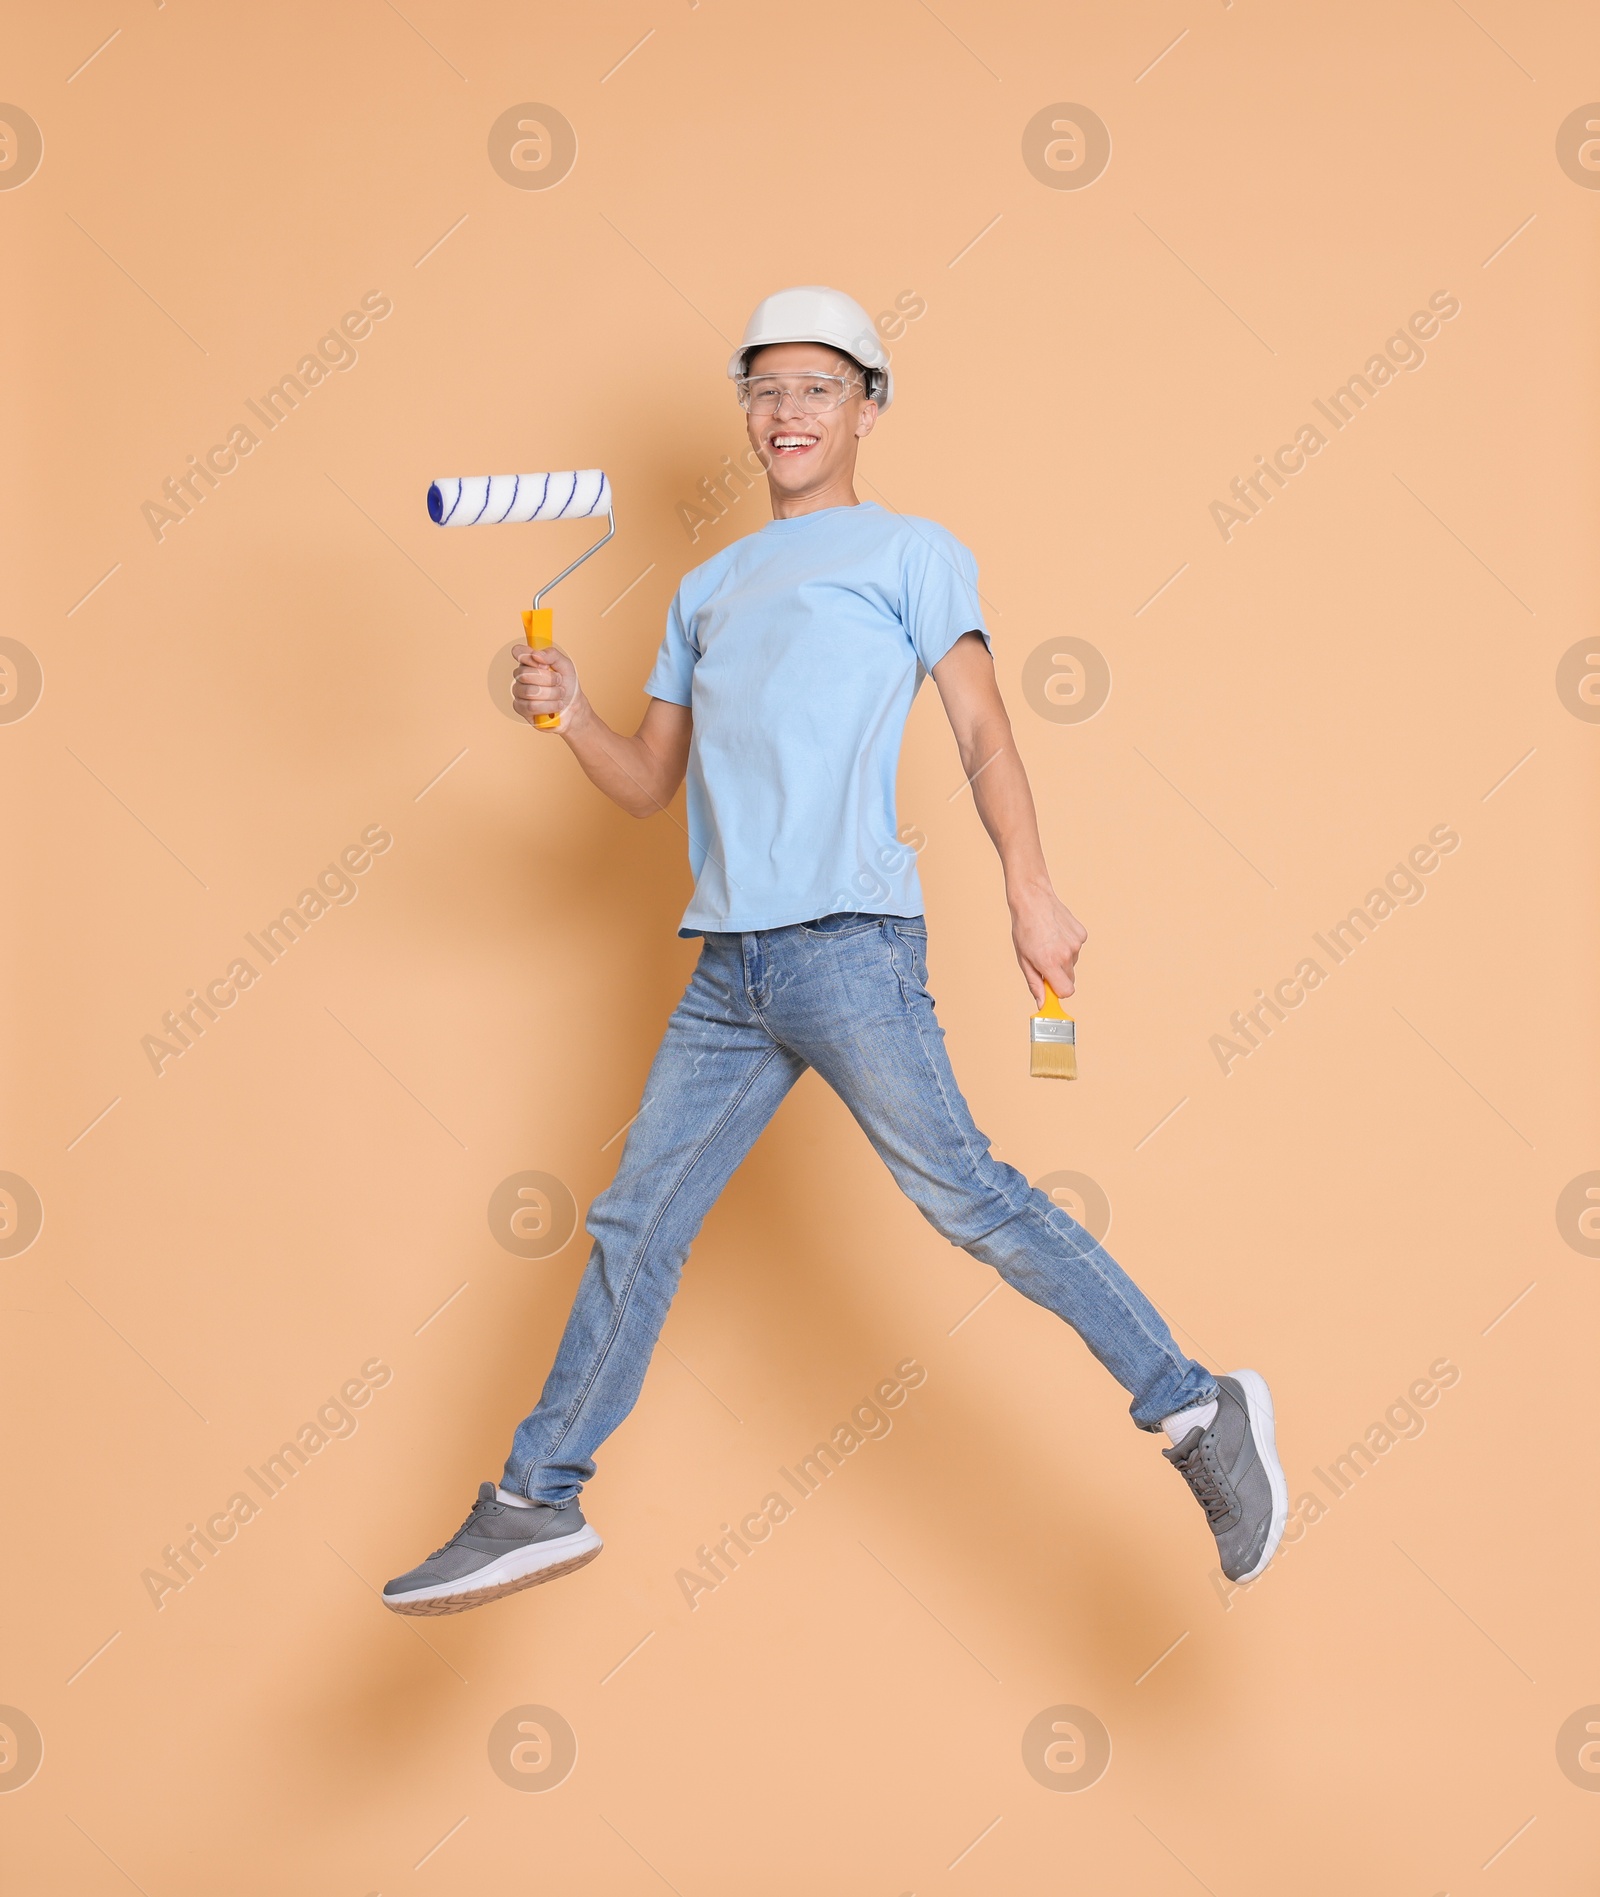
(809, 394)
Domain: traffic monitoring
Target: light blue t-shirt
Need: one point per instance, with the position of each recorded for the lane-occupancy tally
(799, 651)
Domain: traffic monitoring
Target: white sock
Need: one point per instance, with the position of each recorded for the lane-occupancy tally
(1179, 1424)
(521, 1501)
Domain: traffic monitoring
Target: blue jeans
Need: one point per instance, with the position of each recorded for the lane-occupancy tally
(848, 996)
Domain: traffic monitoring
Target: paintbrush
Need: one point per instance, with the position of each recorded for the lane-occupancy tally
(1052, 1041)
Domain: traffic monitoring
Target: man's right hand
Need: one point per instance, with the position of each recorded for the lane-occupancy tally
(639, 774)
(546, 683)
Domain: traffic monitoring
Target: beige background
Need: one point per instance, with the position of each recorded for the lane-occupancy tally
(301, 1192)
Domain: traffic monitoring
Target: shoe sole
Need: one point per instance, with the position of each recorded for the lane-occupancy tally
(1258, 1406)
(526, 1567)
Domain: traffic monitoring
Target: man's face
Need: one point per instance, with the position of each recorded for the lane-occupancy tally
(805, 449)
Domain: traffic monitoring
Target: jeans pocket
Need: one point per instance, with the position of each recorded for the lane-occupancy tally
(847, 922)
(913, 933)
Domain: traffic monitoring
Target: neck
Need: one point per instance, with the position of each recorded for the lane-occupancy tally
(837, 493)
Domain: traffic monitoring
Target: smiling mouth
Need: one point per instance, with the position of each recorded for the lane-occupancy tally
(789, 444)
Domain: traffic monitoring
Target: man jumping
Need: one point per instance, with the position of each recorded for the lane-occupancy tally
(781, 690)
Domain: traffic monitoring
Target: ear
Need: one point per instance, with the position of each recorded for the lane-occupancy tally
(866, 420)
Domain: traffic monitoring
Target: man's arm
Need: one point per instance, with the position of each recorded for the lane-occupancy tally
(641, 773)
(1045, 933)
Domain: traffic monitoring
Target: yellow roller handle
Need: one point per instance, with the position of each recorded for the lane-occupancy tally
(538, 623)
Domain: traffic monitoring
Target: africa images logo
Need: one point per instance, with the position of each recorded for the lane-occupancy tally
(182, 493)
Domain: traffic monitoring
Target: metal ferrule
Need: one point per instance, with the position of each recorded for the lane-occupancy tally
(1063, 1033)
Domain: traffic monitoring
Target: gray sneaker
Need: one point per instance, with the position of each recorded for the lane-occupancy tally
(496, 1550)
(1234, 1471)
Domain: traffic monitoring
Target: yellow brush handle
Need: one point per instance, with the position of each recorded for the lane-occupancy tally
(538, 623)
(1052, 1009)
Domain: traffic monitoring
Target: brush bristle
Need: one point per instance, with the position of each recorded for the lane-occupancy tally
(1052, 1046)
(1053, 1060)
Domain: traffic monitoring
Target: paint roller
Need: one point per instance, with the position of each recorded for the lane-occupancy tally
(482, 500)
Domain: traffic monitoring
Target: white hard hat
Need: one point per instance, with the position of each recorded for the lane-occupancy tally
(813, 313)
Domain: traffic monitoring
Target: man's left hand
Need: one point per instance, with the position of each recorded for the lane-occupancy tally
(1047, 937)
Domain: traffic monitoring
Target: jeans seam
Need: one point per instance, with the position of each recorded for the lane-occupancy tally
(1112, 1292)
(636, 1264)
(758, 1009)
(1107, 1288)
(932, 1065)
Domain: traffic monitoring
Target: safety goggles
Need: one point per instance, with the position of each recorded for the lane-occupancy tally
(808, 394)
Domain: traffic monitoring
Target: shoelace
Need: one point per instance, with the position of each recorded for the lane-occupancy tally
(1206, 1483)
(477, 1508)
